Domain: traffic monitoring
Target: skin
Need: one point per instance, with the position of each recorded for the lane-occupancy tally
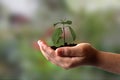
(82, 54)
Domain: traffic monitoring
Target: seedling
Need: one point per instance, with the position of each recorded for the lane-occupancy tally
(59, 36)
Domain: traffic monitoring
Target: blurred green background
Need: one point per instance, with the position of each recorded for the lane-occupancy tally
(23, 22)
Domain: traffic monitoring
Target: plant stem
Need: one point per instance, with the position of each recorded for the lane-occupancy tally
(64, 34)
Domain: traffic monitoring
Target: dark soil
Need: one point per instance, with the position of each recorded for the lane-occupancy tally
(65, 45)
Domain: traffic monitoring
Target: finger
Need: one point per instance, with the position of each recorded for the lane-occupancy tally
(42, 50)
(76, 61)
(46, 50)
(67, 62)
(68, 52)
(48, 53)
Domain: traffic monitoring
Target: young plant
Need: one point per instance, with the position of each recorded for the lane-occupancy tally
(59, 36)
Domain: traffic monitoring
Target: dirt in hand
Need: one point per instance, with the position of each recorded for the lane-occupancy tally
(65, 45)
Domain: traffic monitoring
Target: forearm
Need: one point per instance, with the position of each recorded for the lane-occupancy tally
(108, 61)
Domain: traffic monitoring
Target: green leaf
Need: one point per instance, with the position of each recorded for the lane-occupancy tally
(69, 22)
(56, 23)
(72, 33)
(56, 35)
(63, 22)
(58, 40)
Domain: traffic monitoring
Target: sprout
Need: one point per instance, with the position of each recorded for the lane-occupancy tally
(57, 35)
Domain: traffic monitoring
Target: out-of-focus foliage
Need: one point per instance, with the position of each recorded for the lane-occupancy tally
(19, 60)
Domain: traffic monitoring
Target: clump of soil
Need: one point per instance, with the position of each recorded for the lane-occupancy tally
(65, 45)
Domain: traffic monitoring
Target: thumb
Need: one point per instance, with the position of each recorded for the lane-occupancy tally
(67, 52)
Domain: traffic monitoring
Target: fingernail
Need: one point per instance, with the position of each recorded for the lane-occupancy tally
(60, 52)
(39, 42)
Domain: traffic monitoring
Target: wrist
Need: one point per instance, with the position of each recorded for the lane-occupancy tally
(90, 55)
(93, 56)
